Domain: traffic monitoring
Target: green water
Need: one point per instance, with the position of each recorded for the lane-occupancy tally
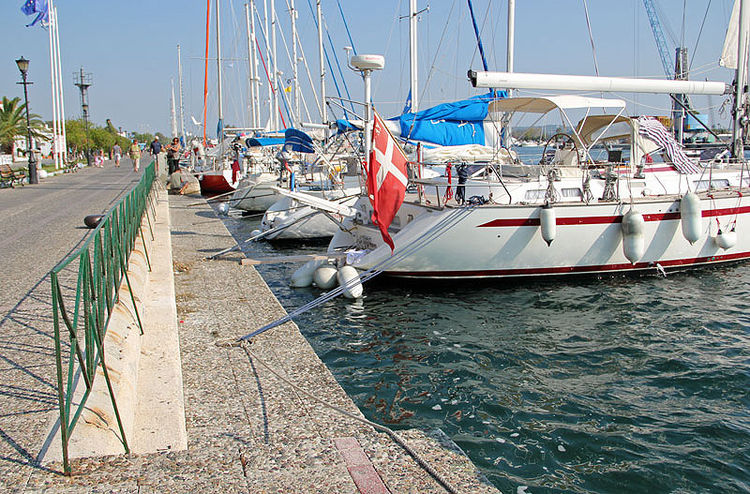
(611, 385)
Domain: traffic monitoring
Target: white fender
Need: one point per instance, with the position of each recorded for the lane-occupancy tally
(633, 242)
(304, 275)
(325, 276)
(690, 213)
(548, 221)
(726, 240)
(349, 279)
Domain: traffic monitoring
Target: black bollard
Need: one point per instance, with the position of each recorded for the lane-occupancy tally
(92, 220)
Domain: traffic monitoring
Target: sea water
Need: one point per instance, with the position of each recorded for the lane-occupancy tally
(608, 385)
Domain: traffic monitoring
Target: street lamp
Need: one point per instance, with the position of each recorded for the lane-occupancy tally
(23, 66)
(85, 108)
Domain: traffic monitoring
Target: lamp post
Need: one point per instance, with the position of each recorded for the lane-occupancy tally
(85, 108)
(23, 66)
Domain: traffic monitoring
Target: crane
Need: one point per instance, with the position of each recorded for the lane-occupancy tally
(681, 103)
(661, 42)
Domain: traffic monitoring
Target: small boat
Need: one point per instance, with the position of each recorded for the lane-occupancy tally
(307, 215)
(214, 182)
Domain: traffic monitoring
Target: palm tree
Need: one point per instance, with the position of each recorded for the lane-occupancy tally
(13, 123)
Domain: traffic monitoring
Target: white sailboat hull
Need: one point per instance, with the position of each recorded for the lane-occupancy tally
(505, 241)
(255, 193)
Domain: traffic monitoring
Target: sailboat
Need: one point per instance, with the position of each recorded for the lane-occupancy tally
(645, 208)
(220, 179)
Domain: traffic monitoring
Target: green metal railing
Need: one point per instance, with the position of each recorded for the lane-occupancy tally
(101, 265)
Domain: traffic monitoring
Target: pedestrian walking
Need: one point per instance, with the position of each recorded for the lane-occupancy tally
(135, 154)
(155, 149)
(117, 154)
(173, 155)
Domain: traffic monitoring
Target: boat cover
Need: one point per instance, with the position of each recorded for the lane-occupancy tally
(296, 140)
(450, 124)
(547, 104)
(263, 141)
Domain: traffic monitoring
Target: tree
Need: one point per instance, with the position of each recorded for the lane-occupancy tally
(99, 137)
(13, 123)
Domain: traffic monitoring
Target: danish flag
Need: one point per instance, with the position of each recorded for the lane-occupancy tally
(386, 178)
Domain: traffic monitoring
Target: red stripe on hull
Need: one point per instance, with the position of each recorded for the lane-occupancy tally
(604, 220)
(604, 268)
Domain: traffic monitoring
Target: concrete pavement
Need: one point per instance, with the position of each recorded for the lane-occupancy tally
(39, 226)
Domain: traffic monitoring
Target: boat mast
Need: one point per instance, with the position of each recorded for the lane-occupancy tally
(268, 57)
(220, 129)
(274, 66)
(511, 38)
(738, 134)
(413, 55)
(251, 62)
(293, 14)
(509, 57)
(182, 107)
(172, 112)
(205, 70)
(321, 66)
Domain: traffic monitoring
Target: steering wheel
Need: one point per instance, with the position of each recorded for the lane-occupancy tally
(557, 141)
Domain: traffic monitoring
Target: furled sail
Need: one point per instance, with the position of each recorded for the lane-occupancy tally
(729, 52)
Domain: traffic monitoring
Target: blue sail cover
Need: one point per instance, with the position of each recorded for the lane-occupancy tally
(263, 141)
(296, 140)
(449, 124)
(344, 126)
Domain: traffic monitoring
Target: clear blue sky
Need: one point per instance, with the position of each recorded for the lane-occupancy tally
(130, 48)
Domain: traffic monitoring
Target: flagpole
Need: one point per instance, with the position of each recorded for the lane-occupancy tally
(53, 82)
(62, 94)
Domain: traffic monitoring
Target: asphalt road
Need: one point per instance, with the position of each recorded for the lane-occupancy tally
(39, 226)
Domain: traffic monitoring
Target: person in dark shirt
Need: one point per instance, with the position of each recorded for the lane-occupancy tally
(155, 146)
(155, 149)
(463, 175)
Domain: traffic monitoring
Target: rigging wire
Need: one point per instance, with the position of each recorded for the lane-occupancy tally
(437, 52)
(700, 31)
(328, 60)
(346, 25)
(591, 36)
(274, 82)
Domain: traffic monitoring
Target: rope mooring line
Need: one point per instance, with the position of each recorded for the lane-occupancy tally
(391, 433)
(417, 244)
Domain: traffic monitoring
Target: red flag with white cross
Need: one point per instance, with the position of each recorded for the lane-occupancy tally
(386, 178)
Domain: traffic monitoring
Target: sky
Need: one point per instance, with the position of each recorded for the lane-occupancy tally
(130, 48)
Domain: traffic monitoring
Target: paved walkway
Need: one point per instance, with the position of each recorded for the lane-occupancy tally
(39, 225)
